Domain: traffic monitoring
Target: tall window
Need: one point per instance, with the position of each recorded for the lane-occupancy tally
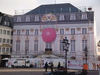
(62, 31)
(36, 31)
(84, 44)
(84, 30)
(4, 40)
(72, 45)
(48, 45)
(27, 32)
(7, 50)
(18, 32)
(18, 45)
(0, 19)
(26, 46)
(0, 40)
(35, 45)
(4, 31)
(0, 31)
(8, 32)
(73, 31)
(0, 49)
(8, 40)
(61, 45)
(3, 50)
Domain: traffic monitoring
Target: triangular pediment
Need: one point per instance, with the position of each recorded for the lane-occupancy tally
(48, 56)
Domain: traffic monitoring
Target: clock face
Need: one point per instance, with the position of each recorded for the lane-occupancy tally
(48, 35)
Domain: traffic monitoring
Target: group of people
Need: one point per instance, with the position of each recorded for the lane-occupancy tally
(50, 65)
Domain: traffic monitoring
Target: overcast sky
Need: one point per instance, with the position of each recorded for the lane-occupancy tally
(9, 7)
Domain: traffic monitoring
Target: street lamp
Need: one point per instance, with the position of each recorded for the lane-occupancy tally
(86, 54)
(66, 44)
(85, 66)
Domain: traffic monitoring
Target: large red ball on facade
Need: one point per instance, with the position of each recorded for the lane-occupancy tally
(48, 35)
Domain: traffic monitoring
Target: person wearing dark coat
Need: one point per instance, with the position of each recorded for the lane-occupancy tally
(58, 65)
(46, 66)
(51, 66)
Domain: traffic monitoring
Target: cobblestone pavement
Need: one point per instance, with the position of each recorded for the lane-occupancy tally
(32, 71)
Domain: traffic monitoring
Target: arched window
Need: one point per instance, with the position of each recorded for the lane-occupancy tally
(72, 43)
(84, 44)
(36, 31)
(17, 45)
(26, 46)
(35, 45)
(61, 45)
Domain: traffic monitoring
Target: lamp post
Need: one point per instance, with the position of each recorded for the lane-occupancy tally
(66, 44)
(85, 66)
(86, 54)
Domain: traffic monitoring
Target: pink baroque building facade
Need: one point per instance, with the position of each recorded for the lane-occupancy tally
(41, 31)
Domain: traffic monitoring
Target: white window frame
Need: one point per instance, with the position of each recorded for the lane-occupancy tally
(72, 16)
(18, 18)
(8, 32)
(84, 30)
(4, 40)
(27, 32)
(61, 31)
(26, 46)
(7, 50)
(27, 19)
(61, 45)
(84, 44)
(4, 31)
(84, 16)
(73, 48)
(36, 31)
(0, 31)
(8, 41)
(18, 32)
(17, 45)
(36, 18)
(35, 45)
(72, 31)
(61, 17)
(3, 49)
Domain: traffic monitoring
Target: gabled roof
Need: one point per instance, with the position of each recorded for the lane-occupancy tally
(54, 8)
(1, 14)
(6, 18)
